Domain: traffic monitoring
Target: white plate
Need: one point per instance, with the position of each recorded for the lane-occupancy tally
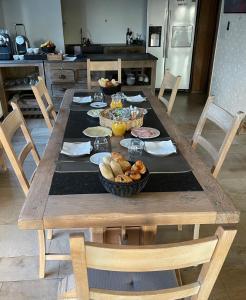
(98, 157)
(82, 100)
(76, 149)
(145, 132)
(97, 131)
(161, 148)
(135, 99)
(98, 104)
(94, 113)
(126, 142)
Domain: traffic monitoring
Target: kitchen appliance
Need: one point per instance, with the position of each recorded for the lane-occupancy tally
(170, 30)
(155, 36)
(21, 41)
(6, 49)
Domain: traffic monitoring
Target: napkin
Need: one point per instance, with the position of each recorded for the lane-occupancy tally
(76, 149)
(82, 100)
(137, 98)
(160, 147)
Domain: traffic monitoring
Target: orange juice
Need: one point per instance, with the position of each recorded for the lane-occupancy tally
(119, 128)
(116, 101)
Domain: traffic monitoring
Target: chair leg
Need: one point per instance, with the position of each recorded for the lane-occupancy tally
(49, 234)
(2, 163)
(196, 231)
(42, 252)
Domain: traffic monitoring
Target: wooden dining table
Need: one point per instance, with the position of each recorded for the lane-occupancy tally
(54, 202)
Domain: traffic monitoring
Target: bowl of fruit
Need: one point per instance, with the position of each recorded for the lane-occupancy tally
(48, 47)
(121, 177)
(109, 87)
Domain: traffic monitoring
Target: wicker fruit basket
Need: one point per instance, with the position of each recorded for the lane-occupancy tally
(105, 120)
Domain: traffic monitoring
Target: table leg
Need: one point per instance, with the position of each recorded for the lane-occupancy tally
(148, 234)
(41, 239)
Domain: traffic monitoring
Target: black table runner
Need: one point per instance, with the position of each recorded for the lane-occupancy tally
(82, 180)
(107, 99)
(89, 183)
(79, 121)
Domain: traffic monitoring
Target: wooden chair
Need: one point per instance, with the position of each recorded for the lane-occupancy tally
(105, 271)
(93, 66)
(228, 123)
(169, 82)
(3, 165)
(42, 95)
(8, 127)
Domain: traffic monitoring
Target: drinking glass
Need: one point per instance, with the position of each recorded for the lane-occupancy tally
(135, 149)
(101, 144)
(98, 97)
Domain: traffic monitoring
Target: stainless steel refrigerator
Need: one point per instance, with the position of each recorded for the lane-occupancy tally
(170, 37)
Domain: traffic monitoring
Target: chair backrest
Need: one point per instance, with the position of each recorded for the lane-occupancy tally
(42, 95)
(169, 82)
(210, 252)
(8, 127)
(227, 122)
(93, 66)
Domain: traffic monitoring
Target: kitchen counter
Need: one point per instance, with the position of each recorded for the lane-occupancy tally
(63, 75)
(105, 48)
(99, 57)
(20, 62)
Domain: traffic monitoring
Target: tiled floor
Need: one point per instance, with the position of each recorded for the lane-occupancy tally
(19, 251)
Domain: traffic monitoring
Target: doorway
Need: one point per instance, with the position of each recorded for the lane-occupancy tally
(204, 45)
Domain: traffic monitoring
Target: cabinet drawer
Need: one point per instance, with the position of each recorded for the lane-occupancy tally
(62, 76)
(58, 90)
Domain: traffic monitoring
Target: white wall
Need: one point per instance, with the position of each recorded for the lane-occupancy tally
(103, 21)
(229, 71)
(43, 20)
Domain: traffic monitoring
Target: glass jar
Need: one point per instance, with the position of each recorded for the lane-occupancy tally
(118, 127)
(116, 101)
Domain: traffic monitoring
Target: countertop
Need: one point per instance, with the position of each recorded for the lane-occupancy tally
(100, 57)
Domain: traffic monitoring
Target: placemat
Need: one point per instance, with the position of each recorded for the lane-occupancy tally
(79, 120)
(174, 163)
(107, 99)
(89, 183)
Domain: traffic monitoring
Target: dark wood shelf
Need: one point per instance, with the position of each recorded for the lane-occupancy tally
(20, 87)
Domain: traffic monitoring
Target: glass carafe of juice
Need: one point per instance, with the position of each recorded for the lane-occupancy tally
(118, 127)
(116, 101)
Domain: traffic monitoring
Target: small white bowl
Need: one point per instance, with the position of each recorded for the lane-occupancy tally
(21, 57)
(29, 50)
(35, 50)
(16, 57)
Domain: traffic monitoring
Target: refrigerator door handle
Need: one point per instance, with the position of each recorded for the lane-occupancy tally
(168, 34)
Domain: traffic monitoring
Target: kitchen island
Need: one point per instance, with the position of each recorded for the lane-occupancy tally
(63, 75)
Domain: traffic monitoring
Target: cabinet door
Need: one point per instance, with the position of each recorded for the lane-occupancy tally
(62, 75)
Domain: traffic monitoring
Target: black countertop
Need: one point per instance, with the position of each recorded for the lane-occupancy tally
(98, 57)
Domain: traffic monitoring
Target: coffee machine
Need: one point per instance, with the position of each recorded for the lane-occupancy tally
(6, 48)
(21, 41)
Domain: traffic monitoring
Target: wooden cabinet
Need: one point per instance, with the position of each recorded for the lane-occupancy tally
(61, 76)
(13, 71)
(65, 75)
